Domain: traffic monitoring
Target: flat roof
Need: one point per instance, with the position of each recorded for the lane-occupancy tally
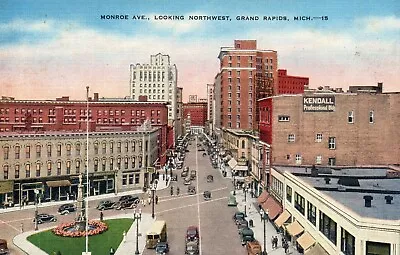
(372, 182)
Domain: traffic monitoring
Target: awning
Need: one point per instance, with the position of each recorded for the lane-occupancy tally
(232, 163)
(241, 168)
(282, 218)
(60, 183)
(305, 240)
(316, 250)
(294, 228)
(263, 197)
(273, 207)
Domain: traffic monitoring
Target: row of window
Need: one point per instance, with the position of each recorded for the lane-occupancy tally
(134, 145)
(318, 139)
(327, 226)
(99, 164)
(350, 117)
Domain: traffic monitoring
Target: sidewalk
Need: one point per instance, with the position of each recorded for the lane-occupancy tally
(258, 229)
(161, 185)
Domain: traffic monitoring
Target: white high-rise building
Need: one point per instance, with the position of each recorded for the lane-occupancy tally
(158, 82)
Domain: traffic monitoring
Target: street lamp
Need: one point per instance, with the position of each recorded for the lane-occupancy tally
(36, 209)
(116, 170)
(234, 182)
(265, 218)
(245, 189)
(153, 188)
(137, 217)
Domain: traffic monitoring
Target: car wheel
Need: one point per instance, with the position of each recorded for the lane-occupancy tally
(39, 222)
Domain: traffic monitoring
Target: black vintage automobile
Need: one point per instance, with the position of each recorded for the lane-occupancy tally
(44, 217)
(66, 209)
(162, 248)
(191, 190)
(105, 205)
(210, 178)
(127, 202)
(207, 195)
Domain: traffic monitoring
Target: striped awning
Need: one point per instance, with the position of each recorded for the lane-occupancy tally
(282, 218)
(305, 240)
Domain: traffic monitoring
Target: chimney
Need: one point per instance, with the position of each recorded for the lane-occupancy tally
(96, 97)
(327, 180)
(368, 200)
(314, 171)
(388, 199)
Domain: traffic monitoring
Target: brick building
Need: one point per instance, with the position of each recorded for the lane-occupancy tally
(288, 84)
(197, 111)
(63, 114)
(332, 128)
(245, 72)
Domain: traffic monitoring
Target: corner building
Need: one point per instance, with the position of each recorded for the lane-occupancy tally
(332, 128)
(239, 67)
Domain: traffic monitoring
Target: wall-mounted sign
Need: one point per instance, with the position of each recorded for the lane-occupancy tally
(319, 103)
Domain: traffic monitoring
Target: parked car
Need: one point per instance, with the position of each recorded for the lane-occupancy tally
(125, 204)
(184, 174)
(129, 198)
(162, 248)
(238, 215)
(66, 209)
(247, 235)
(44, 217)
(187, 181)
(105, 205)
(3, 247)
(193, 174)
(192, 233)
(192, 190)
(207, 195)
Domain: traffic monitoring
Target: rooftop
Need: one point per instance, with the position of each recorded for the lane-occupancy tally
(348, 186)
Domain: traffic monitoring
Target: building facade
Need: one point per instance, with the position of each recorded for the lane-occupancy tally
(179, 112)
(158, 82)
(245, 72)
(332, 128)
(51, 162)
(197, 111)
(288, 84)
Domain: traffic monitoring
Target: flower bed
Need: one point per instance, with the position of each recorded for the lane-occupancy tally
(65, 229)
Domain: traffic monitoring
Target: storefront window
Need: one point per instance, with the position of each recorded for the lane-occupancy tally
(348, 243)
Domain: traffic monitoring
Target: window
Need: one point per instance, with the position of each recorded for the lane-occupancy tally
(49, 165)
(133, 162)
(77, 166)
(289, 194)
(291, 138)
(299, 202)
(103, 164)
(28, 151)
(126, 162)
(119, 147)
(327, 227)
(350, 117)
(6, 151)
(126, 146)
(318, 159)
(17, 151)
(28, 170)
(332, 143)
(78, 149)
(298, 159)
(96, 164)
(38, 169)
(243, 144)
(104, 148)
(16, 174)
(68, 149)
(371, 116)
(119, 163)
(5, 170)
(347, 245)
(331, 161)
(130, 178)
(374, 248)
(318, 138)
(137, 178)
(111, 147)
(311, 213)
(59, 168)
(58, 150)
(283, 118)
(124, 179)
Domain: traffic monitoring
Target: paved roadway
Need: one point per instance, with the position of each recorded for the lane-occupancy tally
(214, 218)
(218, 233)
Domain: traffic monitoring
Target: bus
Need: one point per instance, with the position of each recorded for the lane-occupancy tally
(157, 233)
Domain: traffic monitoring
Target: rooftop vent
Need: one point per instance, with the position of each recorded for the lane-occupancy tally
(348, 181)
(368, 200)
(388, 199)
(314, 171)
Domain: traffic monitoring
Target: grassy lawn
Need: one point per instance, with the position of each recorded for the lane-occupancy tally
(98, 244)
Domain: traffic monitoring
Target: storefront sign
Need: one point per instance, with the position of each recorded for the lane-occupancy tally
(319, 104)
(6, 187)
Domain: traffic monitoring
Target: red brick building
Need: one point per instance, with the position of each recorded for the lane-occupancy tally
(197, 111)
(288, 84)
(346, 129)
(63, 114)
(246, 74)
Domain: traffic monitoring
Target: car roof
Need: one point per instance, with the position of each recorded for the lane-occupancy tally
(192, 227)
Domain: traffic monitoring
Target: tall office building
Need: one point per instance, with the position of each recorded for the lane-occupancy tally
(158, 82)
(246, 74)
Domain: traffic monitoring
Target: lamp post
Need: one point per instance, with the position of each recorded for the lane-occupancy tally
(36, 209)
(245, 189)
(137, 217)
(234, 182)
(116, 170)
(265, 218)
(153, 188)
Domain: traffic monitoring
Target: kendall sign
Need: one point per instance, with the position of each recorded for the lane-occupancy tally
(319, 104)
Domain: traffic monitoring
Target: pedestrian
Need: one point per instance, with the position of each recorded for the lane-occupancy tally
(276, 242)
(156, 199)
(177, 191)
(124, 236)
(286, 247)
(101, 216)
(112, 252)
(172, 190)
(143, 203)
(261, 214)
(149, 200)
(22, 227)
